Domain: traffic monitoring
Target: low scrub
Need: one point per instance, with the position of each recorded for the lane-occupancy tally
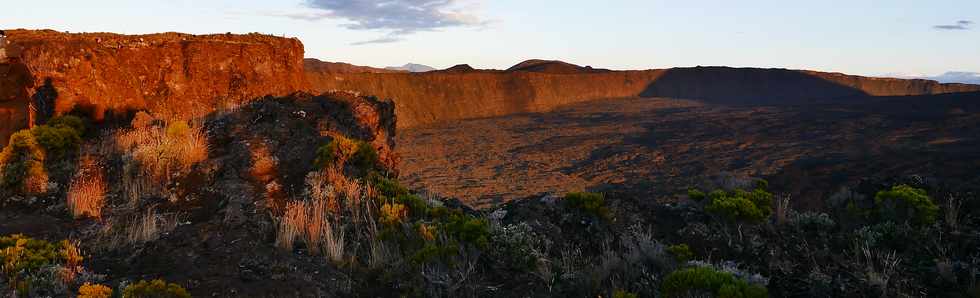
(740, 205)
(155, 289)
(684, 282)
(89, 290)
(342, 150)
(22, 164)
(589, 203)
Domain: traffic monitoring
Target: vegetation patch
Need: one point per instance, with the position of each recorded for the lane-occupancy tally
(155, 289)
(722, 284)
(740, 205)
(589, 203)
(903, 202)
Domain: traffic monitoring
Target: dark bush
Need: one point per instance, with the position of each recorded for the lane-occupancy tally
(682, 252)
(589, 203)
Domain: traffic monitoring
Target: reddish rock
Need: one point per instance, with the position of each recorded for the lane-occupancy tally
(171, 73)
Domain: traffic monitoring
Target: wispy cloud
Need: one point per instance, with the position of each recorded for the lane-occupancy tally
(959, 25)
(397, 18)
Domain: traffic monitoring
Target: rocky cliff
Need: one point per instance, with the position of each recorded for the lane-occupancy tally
(170, 73)
(434, 97)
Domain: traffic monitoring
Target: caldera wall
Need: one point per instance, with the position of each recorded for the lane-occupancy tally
(174, 74)
(425, 98)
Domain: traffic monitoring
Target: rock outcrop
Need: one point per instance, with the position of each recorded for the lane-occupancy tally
(537, 85)
(171, 73)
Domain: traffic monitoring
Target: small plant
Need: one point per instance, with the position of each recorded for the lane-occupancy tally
(342, 149)
(590, 203)
(60, 135)
(903, 202)
(89, 290)
(393, 213)
(722, 284)
(682, 252)
(754, 206)
(155, 289)
(22, 164)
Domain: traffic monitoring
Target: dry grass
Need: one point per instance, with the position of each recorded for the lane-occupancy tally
(952, 212)
(144, 228)
(162, 152)
(310, 221)
(782, 209)
(86, 194)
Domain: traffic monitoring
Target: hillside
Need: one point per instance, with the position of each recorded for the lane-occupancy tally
(312, 65)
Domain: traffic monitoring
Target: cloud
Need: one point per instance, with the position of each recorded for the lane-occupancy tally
(396, 17)
(960, 25)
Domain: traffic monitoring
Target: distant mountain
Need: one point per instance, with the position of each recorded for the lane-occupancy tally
(317, 66)
(962, 77)
(958, 77)
(552, 66)
(412, 67)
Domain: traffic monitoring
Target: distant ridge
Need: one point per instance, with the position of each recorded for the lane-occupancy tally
(316, 65)
(412, 67)
(553, 66)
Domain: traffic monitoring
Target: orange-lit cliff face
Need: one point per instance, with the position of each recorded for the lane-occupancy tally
(174, 74)
(426, 98)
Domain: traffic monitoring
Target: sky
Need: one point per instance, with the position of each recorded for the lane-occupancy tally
(901, 38)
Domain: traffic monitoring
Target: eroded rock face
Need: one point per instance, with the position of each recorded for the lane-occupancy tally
(428, 98)
(170, 73)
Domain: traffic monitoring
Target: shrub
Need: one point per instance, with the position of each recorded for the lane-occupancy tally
(590, 203)
(342, 149)
(467, 228)
(89, 290)
(754, 206)
(393, 213)
(22, 257)
(155, 289)
(388, 187)
(69, 121)
(682, 252)
(903, 202)
(57, 140)
(22, 163)
(366, 157)
(164, 152)
(722, 284)
(695, 194)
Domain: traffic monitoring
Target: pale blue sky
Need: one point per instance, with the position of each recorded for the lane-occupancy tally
(857, 36)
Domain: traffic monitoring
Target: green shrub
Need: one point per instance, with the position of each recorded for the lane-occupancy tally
(695, 194)
(22, 257)
(469, 229)
(89, 290)
(72, 122)
(590, 203)
(904, 202)
(387, 187)
(341, 149)
(57, 139)
(682, 252)
(366, 157)
(754, 206)
(722, 284)
(326, 155)
(155, 289)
